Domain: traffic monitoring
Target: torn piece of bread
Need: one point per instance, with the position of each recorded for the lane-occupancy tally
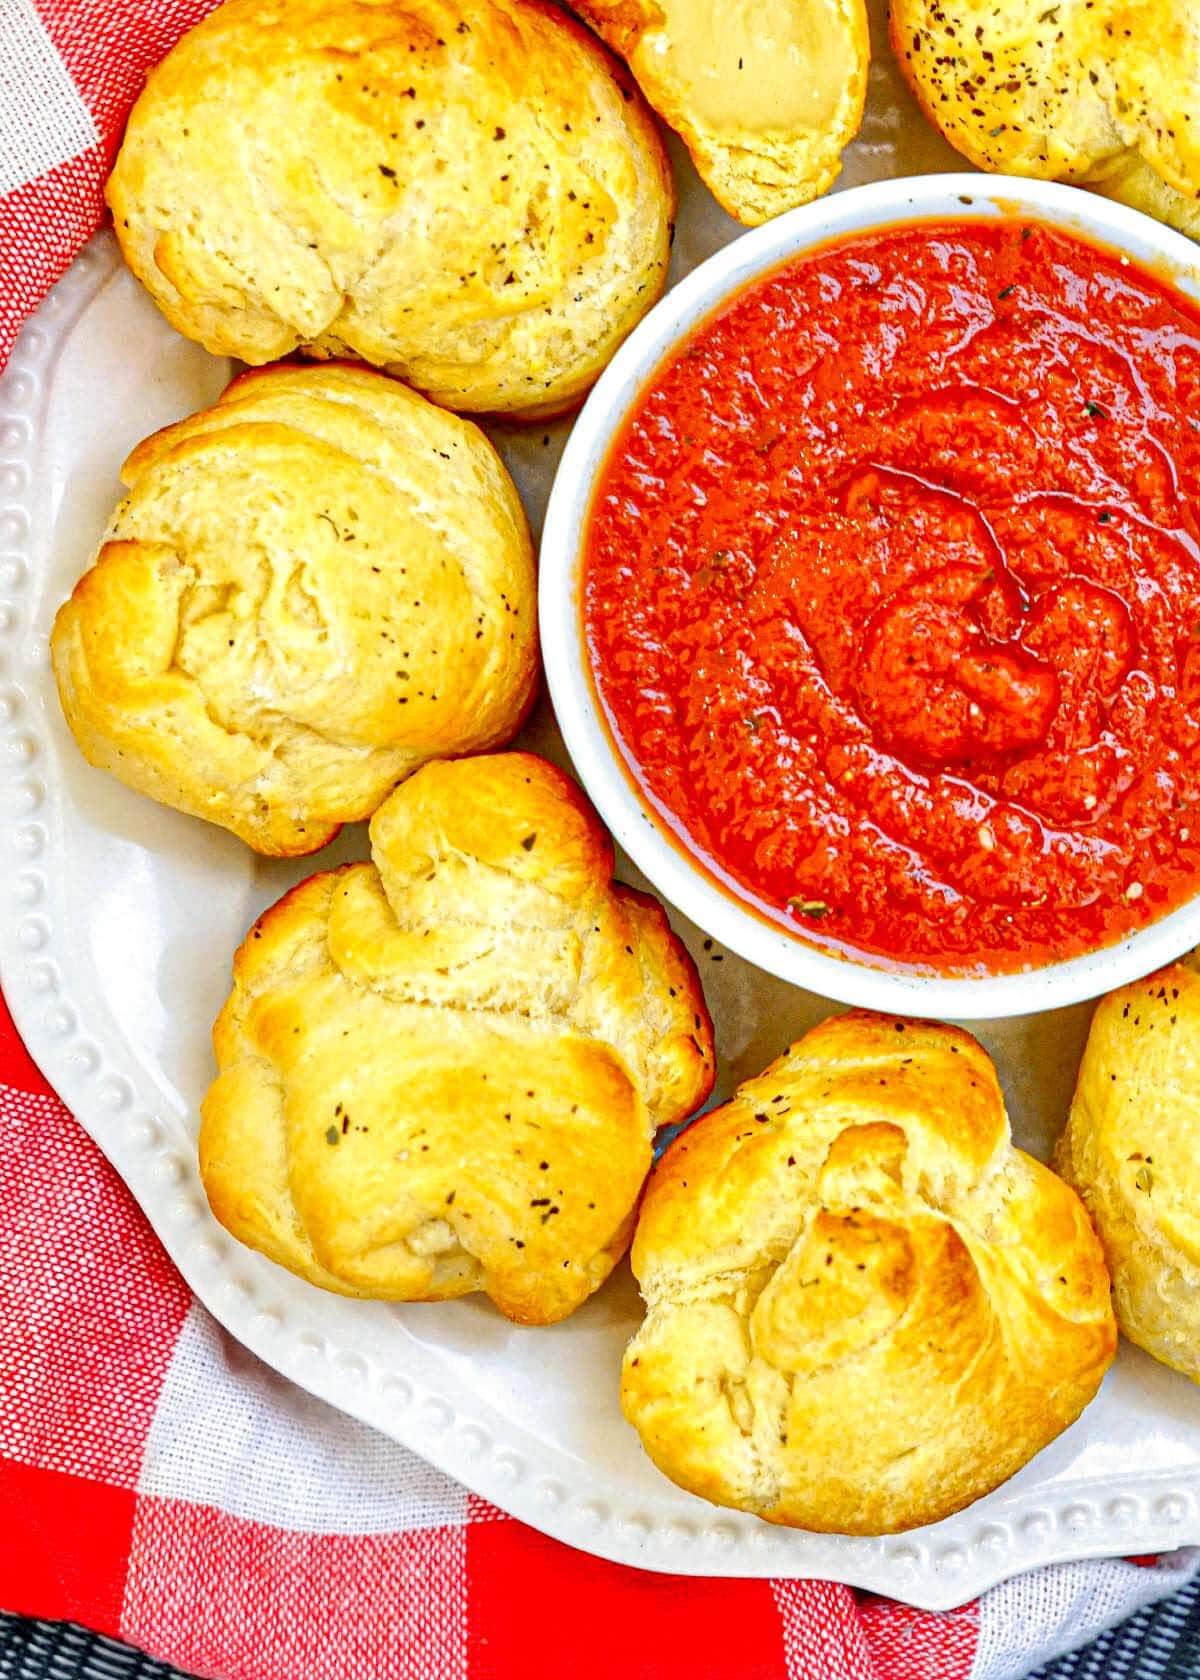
(765, 93)
(441, 1071)
(1085, 90)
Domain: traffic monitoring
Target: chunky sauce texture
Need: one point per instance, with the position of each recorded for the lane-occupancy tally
(892, 595)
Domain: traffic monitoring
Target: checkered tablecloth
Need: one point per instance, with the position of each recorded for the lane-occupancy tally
(157, 1483)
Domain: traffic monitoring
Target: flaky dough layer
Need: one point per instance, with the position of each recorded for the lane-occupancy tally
(1086, 90)
(1131, 1148)
(467, 193)
(441, 1071)
(311, 589)
(864, 1307)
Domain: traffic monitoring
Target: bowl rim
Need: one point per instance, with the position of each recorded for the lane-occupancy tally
(668, 864)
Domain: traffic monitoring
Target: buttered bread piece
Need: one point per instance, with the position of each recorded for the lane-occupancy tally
(469, 194)
(441, 1071)
(765, 93)
(311, 589)
(1087, 90)
(1131, 1148)
(864, 1307)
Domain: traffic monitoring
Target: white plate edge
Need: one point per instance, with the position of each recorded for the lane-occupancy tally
(932, 1569)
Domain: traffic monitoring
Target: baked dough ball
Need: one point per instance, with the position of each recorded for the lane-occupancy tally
(441, 1071)
(864, 1307)
(467, 193)
(1087, 90)
(311, 588)
(766, 97)
(1132, 181)
(1132, 1150)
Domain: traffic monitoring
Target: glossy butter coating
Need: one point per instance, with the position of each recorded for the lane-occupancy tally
(1132, 1150)
(469, 194)
(311, 588)
(864, 1307)
(441, 1071)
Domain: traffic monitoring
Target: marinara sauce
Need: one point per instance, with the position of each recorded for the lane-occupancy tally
(892, 595)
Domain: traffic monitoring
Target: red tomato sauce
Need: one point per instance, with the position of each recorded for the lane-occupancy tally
(892, 595)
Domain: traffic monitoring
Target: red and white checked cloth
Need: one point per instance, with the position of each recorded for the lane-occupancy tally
(161, 1485)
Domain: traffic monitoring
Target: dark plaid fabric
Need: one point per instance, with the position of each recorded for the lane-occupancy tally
(1161, 1643)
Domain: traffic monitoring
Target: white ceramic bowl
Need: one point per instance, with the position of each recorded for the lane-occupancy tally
(681, 879)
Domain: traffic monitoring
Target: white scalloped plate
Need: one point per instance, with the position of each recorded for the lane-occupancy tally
(119, 922)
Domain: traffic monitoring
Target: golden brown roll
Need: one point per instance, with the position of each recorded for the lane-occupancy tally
(467, 193)
(864, 1307)
(1083, 91)
(311, 589)
(766, 97)
(441, 1071)
(1132, 1150)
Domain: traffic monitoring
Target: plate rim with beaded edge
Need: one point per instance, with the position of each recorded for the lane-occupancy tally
(1125, 1479)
